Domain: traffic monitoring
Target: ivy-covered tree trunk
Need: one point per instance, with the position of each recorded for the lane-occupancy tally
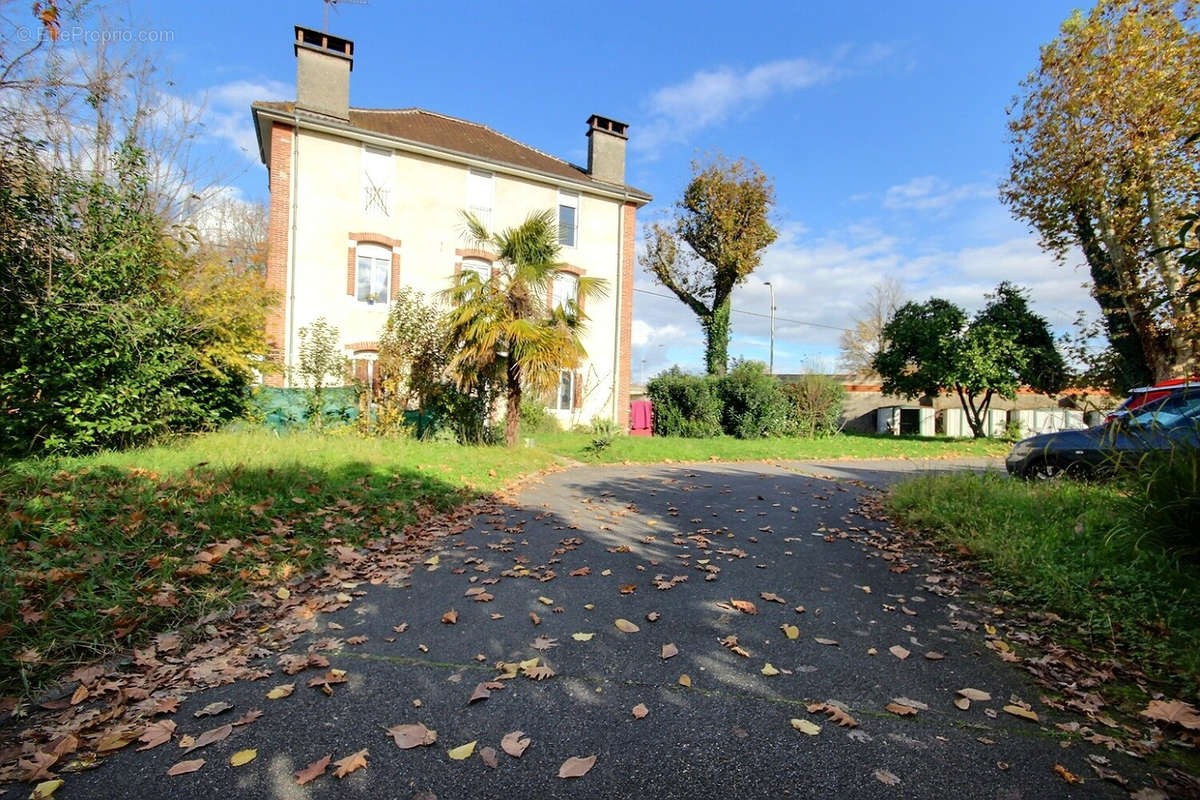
(716, 339)
(1124, 336)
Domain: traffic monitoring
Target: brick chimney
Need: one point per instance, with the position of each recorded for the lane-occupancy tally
(323, 64)
(606, 149)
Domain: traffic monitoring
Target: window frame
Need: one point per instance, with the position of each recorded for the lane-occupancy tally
(381, 260)
(555, 302)
(570, 200)
(571, 378)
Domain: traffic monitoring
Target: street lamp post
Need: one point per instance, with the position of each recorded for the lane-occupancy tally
(771, 366)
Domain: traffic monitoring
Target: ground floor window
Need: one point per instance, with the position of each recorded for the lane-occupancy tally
(564, 400)
(365, 370)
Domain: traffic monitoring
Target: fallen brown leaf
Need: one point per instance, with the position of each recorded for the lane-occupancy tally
(157, 733)
(313, 771)
(184, 767)
(351, 763)
(450, 617)
(576, 767)
(412, 735)
(669, 650)
(513, 744)
(640, 711)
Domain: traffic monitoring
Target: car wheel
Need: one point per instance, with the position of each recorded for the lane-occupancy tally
(1047, 471)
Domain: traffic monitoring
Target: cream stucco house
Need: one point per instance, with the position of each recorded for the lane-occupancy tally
(363, 201)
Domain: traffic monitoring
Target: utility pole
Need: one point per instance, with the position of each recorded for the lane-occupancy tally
(771, 367)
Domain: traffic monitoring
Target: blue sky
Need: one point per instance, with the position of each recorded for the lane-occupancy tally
(882, 125)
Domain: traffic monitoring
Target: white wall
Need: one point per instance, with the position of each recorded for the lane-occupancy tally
(426, 198)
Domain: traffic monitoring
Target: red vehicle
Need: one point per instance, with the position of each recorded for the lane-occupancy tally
(1148, 394)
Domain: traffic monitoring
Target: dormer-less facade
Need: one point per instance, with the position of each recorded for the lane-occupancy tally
(364, 201)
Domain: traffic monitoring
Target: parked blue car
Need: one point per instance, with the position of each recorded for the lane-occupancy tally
(1120, 443)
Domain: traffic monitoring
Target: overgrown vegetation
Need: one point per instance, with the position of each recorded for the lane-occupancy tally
(745, 403)
(108, 334)
(102, 552)
(1082, 551)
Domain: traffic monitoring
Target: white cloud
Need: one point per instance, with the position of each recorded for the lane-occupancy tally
(821, 282)
(710, 96)
(928, 193)
(227, 111)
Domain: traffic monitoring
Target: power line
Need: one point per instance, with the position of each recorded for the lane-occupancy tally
(753, 313)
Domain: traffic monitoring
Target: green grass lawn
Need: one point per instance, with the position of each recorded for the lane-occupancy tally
(99, 552)
(727, 448)
(1080, 550)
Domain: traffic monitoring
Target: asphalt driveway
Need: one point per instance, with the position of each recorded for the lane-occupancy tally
(668, 549)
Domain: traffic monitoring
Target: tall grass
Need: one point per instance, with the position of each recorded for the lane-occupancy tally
(1088, 552)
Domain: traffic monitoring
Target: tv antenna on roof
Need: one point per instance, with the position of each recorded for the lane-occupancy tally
(334, 4)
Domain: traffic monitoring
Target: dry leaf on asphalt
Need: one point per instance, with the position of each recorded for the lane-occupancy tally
(898, 651)
(640, 711)
(790, 631)
(1066, 774)
(184, 767)
(544, 643)
(1019, 711)
(412, 735)
(212, 709)
(209, 737)
(242, 757)
(685, 680)
(974, 694)
(450, 617)
(481, 693)
(771, 597)
(582, 637)
(463, 751)
(900, 709)
(653, 616)
(669, 650)
(744, 606)
(804, 726)
(576, 767)
(351, 763)
(835, 714)
(281, 691)
(313, 771)
(934, 655)
(488, 755)
(46, 789)
(157, 733)
(962, 703)
(769, 670)
(883, 776)
(830, 642)
(625, 626)
(513, 744)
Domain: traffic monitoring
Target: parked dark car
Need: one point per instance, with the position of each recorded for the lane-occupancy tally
(1165, 423)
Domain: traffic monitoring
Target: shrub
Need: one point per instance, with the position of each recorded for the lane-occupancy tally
(814, 406)
(753, 403)
(603, 431)
(536, 418)
(1161, 499)
(100, 344)
(685, 405)
(321, 360)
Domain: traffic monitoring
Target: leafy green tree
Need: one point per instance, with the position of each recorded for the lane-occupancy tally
(714, 243)
(933, 349)
(100, 347)
(1101, 161)
(503, 330)
(321, 360)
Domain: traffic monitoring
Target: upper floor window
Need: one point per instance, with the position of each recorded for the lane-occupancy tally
(480, 195)
(566, 290)
(377, 181)
(374, 273)
(568, 219)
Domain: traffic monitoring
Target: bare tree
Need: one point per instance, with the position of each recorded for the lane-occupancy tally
(82, 97)
(860, 344)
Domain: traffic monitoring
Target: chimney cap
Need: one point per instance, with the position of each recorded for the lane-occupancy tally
(610, 126)
(327, 43)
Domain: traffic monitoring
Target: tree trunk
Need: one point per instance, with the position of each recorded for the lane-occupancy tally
(973, 415)
(716, 338)
(1123, 335)
(512, 410)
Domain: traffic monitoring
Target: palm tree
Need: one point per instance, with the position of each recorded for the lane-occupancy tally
(504, 330)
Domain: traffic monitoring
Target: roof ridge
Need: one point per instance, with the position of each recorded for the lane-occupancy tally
(487, 128)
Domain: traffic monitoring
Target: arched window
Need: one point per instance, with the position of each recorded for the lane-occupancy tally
(478, 266)
(373, 274)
